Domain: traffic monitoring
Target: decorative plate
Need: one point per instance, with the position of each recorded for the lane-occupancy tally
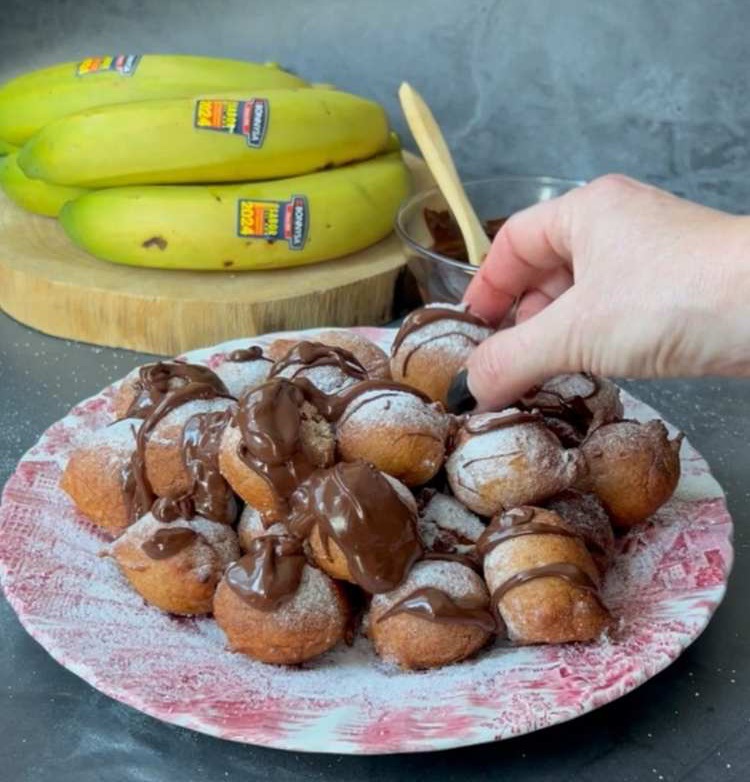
(668, 579)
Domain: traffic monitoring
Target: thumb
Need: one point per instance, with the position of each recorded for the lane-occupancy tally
(513, 360)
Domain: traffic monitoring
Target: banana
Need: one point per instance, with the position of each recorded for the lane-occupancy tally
(222, 138)
(33, 100)
(6, 148)
(261, 225)
(31, 194)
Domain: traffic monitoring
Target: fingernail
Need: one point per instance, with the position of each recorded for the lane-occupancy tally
(460, 399)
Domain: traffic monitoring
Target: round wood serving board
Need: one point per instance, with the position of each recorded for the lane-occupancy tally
(48, 283)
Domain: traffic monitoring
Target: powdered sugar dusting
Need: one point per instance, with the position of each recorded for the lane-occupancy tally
(394, 408)
(666, 583)
(238, 376)
(456, 580)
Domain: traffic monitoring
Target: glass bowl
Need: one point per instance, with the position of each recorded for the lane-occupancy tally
(440, 278)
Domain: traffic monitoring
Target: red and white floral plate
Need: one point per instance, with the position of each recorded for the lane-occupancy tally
(669, 578)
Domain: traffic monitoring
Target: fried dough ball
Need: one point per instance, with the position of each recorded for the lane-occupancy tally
(633, 468)
(446, 526)
(439, 615)
(502, 460)
(543, 607)
(251, 526)
(311, 621)
(584, 513)
(266, 480)
(328, 369)
(176, 566)
(328, 555)
(572, 403)
(243, 369)
(151, 382)
(428, 355)
(96, 476)
(372, 358)
(397, 431)
(165, 468)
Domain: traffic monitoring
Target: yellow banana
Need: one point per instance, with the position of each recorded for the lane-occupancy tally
(6, 148)
(221, 138)
(31, 194)
(260, 225)
(33, 100)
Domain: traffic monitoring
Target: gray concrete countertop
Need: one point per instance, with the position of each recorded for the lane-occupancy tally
(691, 723)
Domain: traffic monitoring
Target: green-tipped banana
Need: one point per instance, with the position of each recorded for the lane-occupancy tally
(261, 225)
(6, 148)
(31, 194)
(221, 138)
(33, 100)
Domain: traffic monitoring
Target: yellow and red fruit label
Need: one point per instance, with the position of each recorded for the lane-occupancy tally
(248, 118)
(274, 220)
(124, 64)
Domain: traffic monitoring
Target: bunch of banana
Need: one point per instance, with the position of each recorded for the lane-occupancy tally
(31, 101)
(221, 138)
(260, 225)
(32, 194)
(119, 147)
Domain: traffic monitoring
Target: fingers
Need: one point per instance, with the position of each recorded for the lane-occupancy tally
(534, 301)
(510, 362)
(529, 246)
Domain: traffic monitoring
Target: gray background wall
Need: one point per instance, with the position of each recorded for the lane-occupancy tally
(654, 88)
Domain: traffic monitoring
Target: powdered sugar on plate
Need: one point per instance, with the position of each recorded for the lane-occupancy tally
(668, 578)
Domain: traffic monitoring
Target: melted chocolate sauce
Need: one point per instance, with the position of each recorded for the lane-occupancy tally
(269, 418)
(156, 381)
(210, 494)
(307, 355)
(436, 606)
(253, 353)
(269, 574)
(166, 543)
(355, 506)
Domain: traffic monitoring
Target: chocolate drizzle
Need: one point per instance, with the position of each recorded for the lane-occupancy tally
(514, 524)
(253, 353)
(269, 574)
(307, 355)
(434, 605)
(210, 494)
(156, 381)
(494, 422)
(553, 402)
(269, 418)
(168, 542)
(568, 571)
(138, 487)
(355, 506)
(333, 406)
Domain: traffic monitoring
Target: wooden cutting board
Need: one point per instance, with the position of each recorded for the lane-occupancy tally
(48, 283)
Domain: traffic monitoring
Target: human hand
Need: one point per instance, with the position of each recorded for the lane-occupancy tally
(616, 278)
